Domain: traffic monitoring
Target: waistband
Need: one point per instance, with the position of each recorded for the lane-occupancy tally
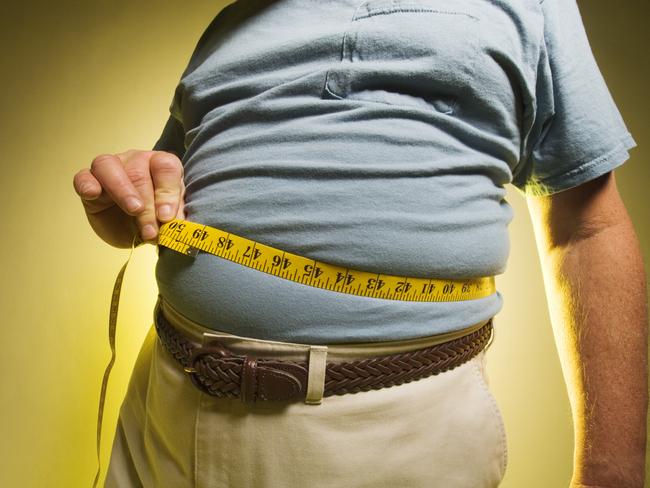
(339, 352)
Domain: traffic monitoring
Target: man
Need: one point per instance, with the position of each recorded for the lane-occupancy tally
(378, 136)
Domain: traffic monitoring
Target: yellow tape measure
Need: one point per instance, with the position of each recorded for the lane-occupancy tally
(189, 238)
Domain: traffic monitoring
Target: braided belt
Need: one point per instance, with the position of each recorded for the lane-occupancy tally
(219, 372)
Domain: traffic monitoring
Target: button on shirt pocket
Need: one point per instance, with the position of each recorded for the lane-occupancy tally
(418, 53)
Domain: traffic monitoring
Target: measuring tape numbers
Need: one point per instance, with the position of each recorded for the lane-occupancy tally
(190, 237)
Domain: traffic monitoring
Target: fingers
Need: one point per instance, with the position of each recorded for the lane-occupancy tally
(181, 207)
(126, 181)
(167, 176)
(145, 187)
(108, 171)
(86, 185)
(136, 167)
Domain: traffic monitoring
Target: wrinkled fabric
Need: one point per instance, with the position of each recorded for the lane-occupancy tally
(379, 136)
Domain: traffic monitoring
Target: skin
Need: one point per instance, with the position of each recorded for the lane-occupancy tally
(596, 289)
(593, 273)
(130, 194)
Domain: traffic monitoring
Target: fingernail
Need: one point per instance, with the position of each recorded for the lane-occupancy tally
(133, 204)
(165, 212)
(149, 232)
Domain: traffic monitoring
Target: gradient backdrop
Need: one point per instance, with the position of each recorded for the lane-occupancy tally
(82, 78)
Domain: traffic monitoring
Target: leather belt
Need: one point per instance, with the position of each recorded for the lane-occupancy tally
(219, 372)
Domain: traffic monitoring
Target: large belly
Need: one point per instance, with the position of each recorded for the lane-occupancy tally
(372, 225)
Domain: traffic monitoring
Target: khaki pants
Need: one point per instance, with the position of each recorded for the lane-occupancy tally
(442, 431)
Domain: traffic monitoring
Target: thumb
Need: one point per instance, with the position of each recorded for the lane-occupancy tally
(181, 210)
(181, 203)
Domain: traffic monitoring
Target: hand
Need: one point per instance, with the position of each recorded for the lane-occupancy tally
(131, 193)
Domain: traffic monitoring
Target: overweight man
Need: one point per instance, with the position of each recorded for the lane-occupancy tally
(375, 136)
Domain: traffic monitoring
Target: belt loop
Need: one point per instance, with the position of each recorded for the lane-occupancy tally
(248, 391)
(316, 378)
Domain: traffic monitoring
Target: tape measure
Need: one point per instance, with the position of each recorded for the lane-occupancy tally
(190, 238)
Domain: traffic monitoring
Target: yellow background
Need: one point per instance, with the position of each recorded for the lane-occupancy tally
(81, 78)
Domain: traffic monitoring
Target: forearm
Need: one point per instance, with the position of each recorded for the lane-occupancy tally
(596, 289)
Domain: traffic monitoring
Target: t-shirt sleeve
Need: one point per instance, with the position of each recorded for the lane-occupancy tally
(578, 133)
(172, 138)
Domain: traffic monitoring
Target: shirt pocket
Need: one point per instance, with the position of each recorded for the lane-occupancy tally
(417, 53)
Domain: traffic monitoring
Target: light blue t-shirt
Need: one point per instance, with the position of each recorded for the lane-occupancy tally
(377, 135)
